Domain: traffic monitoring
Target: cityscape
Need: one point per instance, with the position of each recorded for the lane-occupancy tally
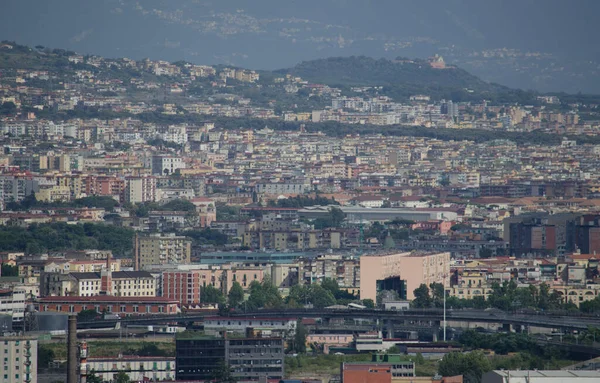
(347, 220)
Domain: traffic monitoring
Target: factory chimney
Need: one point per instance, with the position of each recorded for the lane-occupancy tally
(72, 350)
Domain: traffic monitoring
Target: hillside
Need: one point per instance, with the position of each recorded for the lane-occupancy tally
(554, 50)
(402, 78)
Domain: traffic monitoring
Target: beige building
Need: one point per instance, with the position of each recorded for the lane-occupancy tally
(140, 189)
(119, 284)
(19, 359)
(163, 249)
(54, 194)
(402, 272)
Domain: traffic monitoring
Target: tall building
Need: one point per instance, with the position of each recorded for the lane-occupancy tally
(12, 302)
(159, 249)
(166, 165)
(19, 359)
(140, 189)
(587, 234)
(402, 272)
(249, 358)
(541, 234)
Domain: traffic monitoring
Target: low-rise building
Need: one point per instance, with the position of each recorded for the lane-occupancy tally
(138, 368)
(110, 304)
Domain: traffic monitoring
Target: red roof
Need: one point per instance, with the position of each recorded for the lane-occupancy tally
(107, 299)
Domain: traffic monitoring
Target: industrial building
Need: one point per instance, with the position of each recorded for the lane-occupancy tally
(250, 358)
(540, 376)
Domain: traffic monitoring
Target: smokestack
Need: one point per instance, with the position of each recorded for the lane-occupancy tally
(72, 350)
(83, 362)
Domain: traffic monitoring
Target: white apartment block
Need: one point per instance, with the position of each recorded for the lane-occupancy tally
(166, 165)
(283, 188)
(139, 369)
(12, 302)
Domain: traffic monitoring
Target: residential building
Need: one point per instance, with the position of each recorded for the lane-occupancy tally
(19, 359)
(140, 189)
(186, 284)
(12, 302)
(158, 249)
(166, 165)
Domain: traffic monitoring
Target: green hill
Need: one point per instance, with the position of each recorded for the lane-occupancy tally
(402, 78)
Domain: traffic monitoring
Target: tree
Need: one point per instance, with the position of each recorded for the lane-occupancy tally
(422, 298)
(437, 291)
(122, 377)
(298, 343)
(87, 315)
(151, 350)
(331, 285)
(9, 271)
(93, 378)
(263, 295)
(45, 356)
(236, 295)
(485, 252)
(211, 295)
(320, 297)
(419, 360)
(368, 303)
(222, 374)
(471, 365)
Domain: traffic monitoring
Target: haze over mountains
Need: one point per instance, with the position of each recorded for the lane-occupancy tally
(546, 45)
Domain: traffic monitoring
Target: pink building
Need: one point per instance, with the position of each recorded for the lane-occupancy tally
(402, 272)
(185, 285)
(329, 340)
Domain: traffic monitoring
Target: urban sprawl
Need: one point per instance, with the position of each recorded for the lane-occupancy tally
(136, 189)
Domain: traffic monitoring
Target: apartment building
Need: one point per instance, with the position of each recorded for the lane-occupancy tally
(12, 302)
(19, 359)
(140, 189)
(166, 165)
(186, 285)
(160, 249)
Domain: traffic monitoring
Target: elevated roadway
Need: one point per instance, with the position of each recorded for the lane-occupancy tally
(413, 316)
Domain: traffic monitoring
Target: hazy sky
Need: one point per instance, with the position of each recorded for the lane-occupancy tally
(280, 33)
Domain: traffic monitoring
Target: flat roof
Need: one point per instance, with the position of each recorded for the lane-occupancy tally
(549, 373)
